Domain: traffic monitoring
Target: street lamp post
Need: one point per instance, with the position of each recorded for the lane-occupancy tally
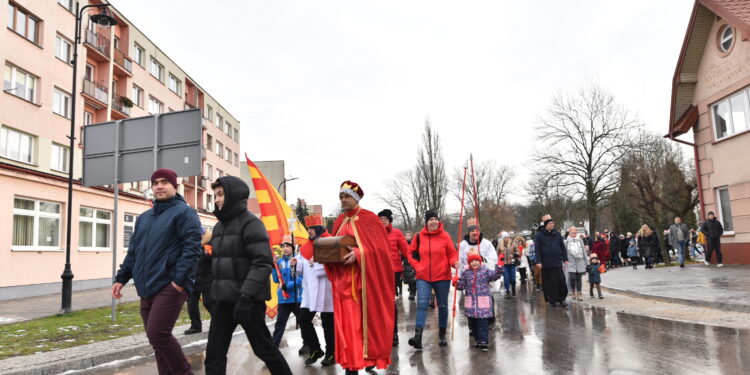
(284, 183)
(104, 19)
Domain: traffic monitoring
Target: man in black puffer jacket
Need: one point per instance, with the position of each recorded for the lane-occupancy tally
(241, 267)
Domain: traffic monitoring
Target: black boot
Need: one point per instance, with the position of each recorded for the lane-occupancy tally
(442, 341)
(395, 340)
(416, 341)
(513, 290)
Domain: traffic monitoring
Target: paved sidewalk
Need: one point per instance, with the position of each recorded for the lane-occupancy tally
(726, 288)
(16, 310)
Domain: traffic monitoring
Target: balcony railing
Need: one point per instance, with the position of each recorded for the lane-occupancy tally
(95, 90)
(98, 41)
(121, 59)
(117, 104)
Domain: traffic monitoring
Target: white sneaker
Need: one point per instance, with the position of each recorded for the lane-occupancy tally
(706, 262)
(719, 265)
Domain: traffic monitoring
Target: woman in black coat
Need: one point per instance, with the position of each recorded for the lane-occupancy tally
(648, 245)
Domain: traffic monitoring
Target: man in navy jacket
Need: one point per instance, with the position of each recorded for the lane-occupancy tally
(161, 260)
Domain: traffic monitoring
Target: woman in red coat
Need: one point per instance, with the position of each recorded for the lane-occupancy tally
(399, 248)
(601, 249)
(432, 254)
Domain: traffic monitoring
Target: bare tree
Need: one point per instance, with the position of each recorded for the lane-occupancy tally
(430, 170)
(493, 183)
(584, 138)
(403, 198)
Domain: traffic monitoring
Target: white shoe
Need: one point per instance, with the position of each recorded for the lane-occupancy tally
(719, 265)
(706, 263)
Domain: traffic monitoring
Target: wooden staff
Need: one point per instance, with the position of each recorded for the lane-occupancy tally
(458, 272)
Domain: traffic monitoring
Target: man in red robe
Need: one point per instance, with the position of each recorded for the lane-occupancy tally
(362, 288)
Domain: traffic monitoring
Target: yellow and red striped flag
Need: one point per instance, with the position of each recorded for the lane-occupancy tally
(275, 214)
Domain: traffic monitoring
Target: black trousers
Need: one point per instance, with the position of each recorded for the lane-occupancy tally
(714, 244)
(284, 309)
(523, 274)
(310, 337)
(254, 324)
(395, 304)
(194, 310)
(399, 283)
(554, 285)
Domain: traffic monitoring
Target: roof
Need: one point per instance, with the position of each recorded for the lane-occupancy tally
(735, 13)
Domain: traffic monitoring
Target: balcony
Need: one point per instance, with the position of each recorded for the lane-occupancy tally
(118, 104)
(123, 63)
(95, 90)
(99, 43)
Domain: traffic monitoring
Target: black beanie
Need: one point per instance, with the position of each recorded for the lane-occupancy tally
(387, 214)
(429, 215)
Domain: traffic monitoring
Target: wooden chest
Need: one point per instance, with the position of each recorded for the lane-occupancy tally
(332, 249)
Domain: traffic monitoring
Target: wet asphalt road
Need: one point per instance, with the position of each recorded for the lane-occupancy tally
(529, 337)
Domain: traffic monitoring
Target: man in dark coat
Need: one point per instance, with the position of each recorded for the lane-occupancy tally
(551, 254)
(713, 230)
(241, 267)
(161, 259)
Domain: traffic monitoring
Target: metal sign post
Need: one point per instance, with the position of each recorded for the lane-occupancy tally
(130, 150)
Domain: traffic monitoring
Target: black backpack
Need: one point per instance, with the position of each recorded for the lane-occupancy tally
(415, 253)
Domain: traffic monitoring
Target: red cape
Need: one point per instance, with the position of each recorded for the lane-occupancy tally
(379, 287)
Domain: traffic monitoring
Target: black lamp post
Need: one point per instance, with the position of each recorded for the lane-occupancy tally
(284, 183)
(104, 19)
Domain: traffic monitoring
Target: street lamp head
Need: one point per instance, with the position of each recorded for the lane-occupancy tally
(104, 18)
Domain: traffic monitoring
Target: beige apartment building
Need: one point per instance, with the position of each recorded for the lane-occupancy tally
(711, 97)
(121, 74)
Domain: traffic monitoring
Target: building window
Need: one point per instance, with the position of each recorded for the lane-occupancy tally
(219, 149)
(209, 113)
(209, 172)
(154, 106)
(63, 48)
(61, 103)
(128, 229)
(209, 202)
(228, 155)
(36, 225)
(175, 85)
(731, 114)
(19, 83)
(93, 229)
(59, 160)
(157, 70)
(138, 53)
(220, 122)
(16, 145)
(219, 173)
(67, 4)
(138, 96)
(236, 136)
(726, 38)
(725, 209)
(228, 129)
(209, 142)
(88, 118)
(24, 23)
(236, 160)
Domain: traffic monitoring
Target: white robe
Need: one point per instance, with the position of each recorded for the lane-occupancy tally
(486, 250)
(317, 294)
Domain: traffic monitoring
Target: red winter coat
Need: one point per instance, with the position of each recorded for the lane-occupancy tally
(436, 253)
(399, 247)
(601, 250)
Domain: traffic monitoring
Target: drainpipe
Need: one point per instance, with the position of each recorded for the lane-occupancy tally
(697, 171)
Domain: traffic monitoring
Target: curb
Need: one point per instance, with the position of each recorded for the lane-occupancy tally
(87, 356)
(682, 301)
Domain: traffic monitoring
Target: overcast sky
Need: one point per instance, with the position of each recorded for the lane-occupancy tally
(340, 89)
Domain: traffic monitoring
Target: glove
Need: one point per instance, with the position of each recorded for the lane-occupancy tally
(243, 307)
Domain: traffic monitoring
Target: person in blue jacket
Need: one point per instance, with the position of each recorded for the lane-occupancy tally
(161, 260)
(292, 287)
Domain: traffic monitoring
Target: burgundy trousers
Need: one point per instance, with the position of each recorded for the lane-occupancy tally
(159, 314)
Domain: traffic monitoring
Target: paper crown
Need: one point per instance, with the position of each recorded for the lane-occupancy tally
(352, 189)
(287, 239)
(313, 220)
(471, 221)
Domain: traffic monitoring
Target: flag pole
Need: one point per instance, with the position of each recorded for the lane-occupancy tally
(458, 271)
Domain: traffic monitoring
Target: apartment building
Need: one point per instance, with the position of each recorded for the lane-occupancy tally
(121, 74)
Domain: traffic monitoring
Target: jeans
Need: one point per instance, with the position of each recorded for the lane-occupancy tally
(680, 248)
(285, 309)
(509, 276)
(424, 289)
(575, 281)
(478, 327)
(254, 323)
(159, 314)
